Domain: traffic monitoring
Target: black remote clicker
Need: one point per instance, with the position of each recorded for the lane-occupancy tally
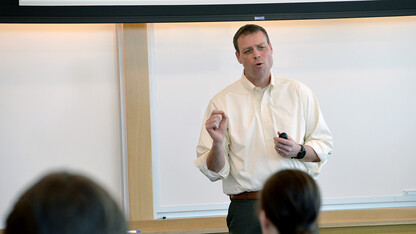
(283, 135)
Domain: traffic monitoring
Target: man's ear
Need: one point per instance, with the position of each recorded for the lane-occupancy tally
(237, 55)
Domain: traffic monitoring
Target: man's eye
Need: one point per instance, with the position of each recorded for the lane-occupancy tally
(247, 51)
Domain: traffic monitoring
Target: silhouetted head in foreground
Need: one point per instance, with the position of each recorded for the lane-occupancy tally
(65, 203)
(290, 203)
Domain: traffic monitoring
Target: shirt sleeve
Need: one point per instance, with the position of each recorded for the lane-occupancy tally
(204, 147)
(317, 134)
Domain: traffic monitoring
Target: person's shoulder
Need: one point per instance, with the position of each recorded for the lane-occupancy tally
(293, 87)
(291, 84)
(234, 88)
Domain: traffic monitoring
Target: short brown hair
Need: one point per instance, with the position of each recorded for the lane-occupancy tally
(248, 29)
(291, 201)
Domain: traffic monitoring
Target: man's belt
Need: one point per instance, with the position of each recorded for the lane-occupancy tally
(245, 196)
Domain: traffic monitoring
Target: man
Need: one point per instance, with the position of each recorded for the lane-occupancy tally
(240, 143)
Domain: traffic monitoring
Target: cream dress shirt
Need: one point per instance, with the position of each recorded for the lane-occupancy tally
(254, 117)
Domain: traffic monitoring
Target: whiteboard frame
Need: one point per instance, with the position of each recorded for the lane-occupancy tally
(13, 13)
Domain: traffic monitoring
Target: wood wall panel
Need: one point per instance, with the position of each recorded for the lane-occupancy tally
(386, 220)
(136, 69)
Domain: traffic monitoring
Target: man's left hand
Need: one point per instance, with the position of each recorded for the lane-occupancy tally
(286, 148)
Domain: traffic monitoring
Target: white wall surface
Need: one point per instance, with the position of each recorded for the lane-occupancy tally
(59, 106)
(362, 72)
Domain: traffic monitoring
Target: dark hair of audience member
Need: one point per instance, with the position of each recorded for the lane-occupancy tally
(66, 203)
(291, 201)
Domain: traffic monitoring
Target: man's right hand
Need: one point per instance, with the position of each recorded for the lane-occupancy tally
(216, 125)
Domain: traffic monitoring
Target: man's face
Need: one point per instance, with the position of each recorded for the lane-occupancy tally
(256, 55)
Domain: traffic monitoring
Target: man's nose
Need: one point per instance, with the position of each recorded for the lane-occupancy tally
(256, 54)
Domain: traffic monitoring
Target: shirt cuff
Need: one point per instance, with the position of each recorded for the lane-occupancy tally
(323, 152)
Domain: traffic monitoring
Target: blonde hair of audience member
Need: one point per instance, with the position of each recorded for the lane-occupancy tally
(290, 203)
(65, 203)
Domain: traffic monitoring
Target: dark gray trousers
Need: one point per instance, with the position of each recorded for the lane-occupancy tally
(243, 217)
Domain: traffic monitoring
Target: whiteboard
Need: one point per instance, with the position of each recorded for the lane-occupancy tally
(59, 106)
(362, 72)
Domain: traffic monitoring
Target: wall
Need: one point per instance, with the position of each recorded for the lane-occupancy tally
(59, 104)
(362, 72)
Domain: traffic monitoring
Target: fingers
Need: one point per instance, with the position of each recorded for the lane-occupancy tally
(217, 112)
(217, 120)
(213, 122)
(283, 146)
(223, 123)
(216, 125)
(282, 150)
(281, 142)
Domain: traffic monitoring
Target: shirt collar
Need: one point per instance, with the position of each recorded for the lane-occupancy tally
(272, 82)
(249, 86)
